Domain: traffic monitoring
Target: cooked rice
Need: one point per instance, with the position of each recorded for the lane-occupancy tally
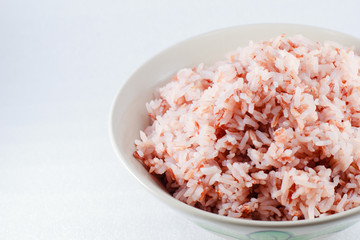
(270, 133)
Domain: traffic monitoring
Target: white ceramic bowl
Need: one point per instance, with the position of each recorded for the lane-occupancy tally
(129, 116)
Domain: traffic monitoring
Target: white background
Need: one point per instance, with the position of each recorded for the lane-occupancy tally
(61, 64)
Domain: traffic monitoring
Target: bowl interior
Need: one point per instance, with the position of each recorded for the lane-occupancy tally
(129, 114)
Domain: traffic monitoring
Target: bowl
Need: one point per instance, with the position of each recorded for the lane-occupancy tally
(129, 116)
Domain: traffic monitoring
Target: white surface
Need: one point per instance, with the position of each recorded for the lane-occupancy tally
(61, 64)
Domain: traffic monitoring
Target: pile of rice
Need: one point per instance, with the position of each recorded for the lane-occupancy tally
(270, 133)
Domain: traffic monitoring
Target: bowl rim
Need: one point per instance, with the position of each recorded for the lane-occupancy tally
(198, 213)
